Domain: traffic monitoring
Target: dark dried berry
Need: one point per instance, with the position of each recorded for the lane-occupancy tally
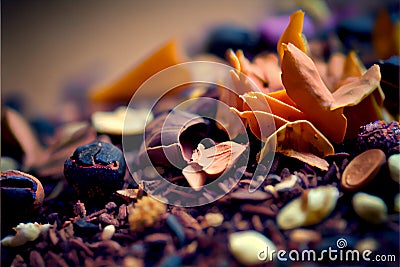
(95, 170)
(381, 135)
(22, 193)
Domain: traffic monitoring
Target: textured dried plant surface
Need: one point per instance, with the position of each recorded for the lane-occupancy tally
(299, 153)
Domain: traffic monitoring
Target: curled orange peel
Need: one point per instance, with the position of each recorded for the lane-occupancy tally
(263, 71)
(354, 92)
(305, 87)
(263, 102)
(384, 36)
(293, 34)
(262, 124)
(282, 96)
(124, 86)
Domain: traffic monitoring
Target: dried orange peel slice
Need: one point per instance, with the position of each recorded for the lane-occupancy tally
(300, 140)
(264, 71)
(282, 96)
(262, 124)
(384, 36)
(263, 102)
(293, 34)
(354, 92)
(123, 88)
(305, 87)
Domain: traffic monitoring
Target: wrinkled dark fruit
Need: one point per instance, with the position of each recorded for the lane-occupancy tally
(96, 170)
(381, 135)
(22, 195)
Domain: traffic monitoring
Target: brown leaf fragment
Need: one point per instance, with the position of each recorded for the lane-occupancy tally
(354, 92)
(300, 140)
(36, 260)
(217, 159)
(194, 175)
(18, 136)
(304, 86)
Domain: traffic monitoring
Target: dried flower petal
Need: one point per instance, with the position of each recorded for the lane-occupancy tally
(384, 36)
(217, 159)
(123, 88)
(370, 107)
(211, 161)
(262, 124)
(354, 92)
(300, 140)
(293, 34)
(282, 96)
(305, 86)
(263, 102)
(194, 175)
(264, 71)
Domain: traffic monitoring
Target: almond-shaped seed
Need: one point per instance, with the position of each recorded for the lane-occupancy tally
(108, 232)
(286, 184)
(249, 247)
(397, 203)
(394, 167)
(363, 169)
(214, 219)
(310, 208)
(370, 208)
(305, 236)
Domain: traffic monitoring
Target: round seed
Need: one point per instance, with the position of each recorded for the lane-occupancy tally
(394, 167)
(363, 169)
(246, 247)
(108, 232)
(214, 219)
